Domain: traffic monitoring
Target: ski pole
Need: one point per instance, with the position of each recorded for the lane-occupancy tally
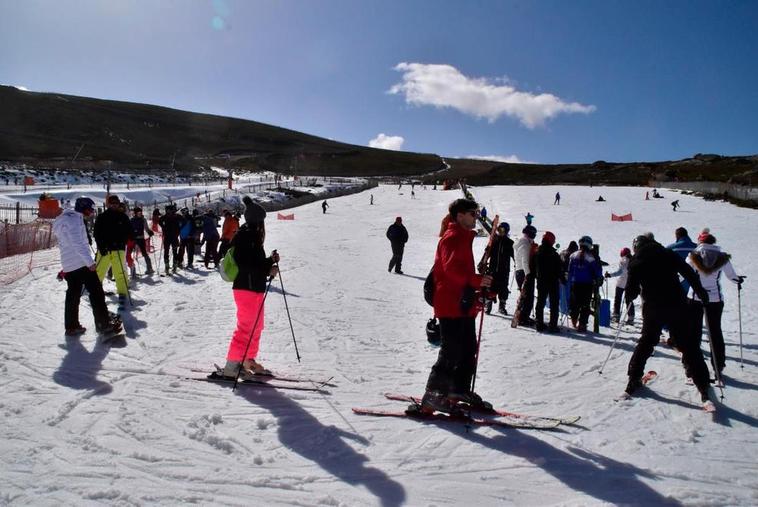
(123, 275)
(286, 306)
(739, 317)
(618, 333)
(714, 363)
(250, 338)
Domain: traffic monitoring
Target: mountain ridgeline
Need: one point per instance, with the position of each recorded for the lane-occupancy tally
(65, 131)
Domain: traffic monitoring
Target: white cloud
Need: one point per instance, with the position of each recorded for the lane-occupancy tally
(444, 86)
(510, 159)
(386, 142)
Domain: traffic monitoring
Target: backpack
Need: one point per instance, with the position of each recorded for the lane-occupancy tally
(228, 268)
(429, 287)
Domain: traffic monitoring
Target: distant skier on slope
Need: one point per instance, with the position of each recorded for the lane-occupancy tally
(653, 272)
(324, 205)
(249, 290)
(455, 305)
(557, 200)
(79, 270)
(398, 236)
(675, 204)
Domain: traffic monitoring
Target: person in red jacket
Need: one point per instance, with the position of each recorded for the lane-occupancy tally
(456, 304)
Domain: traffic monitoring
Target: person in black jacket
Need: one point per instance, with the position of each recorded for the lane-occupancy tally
(170, 225)
(549, 268)
(112, 231)
(250, 290)
(654, 272)
(139, 228)
(501, 255)
(398, 236)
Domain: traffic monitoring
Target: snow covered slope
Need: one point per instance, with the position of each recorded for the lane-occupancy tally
(85, 424)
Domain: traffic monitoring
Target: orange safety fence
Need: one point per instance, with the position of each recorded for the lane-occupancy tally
(24, 247)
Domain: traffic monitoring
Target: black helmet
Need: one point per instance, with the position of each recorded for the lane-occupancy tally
(585, 241)
(84, 203)
(530, 231)
(640, 241)
(433, 332)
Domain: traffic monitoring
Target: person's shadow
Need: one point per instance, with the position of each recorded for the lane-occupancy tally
(79, 367)
(593, 474)
(304, 434)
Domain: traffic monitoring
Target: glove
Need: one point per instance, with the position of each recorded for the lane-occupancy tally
(702, 294)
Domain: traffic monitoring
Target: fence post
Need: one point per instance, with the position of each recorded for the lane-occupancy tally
(18, 212)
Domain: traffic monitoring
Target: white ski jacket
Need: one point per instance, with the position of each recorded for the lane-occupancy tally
(522, 251)
(622, 272)
(709, 261)
(72, 241)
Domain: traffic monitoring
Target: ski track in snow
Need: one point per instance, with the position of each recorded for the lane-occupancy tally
(90, 424)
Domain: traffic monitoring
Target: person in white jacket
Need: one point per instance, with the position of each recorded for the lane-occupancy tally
(709, 262)
(622, 272)
(522, 253)
(79, 270)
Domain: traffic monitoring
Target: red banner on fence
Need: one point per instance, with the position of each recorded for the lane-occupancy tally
(279, 216)
(621, 218)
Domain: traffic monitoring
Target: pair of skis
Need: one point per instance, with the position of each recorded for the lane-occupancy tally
(272, 381)
(501, 418)
(649, 377)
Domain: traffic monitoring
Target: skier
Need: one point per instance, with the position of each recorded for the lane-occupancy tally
(249, 289)
(528, 217)
(622, 273)
(112, 231)
(483, 213)
(675, 204)
(526, 249)
(548, 268)
(79, 270)
(324, 205)
(557, 199)
(647, 196)
(584, 273)
(413, 194)
(210, 238)
(709, 262)
(156, 219)
(186, 238)
(398, 236)
(653, 271)
(229, 229)
(600, 199)
(455, 305)
(501, 254)
(372, 200)
(139, 228)
(170, 225)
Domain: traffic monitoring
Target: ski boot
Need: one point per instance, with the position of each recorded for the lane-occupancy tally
(109, 327)
(633, 385)
(133, 272)
(501, 309)
(75, 331)
(175, 267)
(488, 308)
(470, 399)
(433, 401)
(255, 368)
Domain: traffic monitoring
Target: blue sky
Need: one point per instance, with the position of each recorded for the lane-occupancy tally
(544, 81)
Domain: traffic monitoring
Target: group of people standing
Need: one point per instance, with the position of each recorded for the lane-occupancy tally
(676, 294)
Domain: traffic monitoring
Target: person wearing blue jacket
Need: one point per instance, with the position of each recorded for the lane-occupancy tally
(210, 238)
(584, 273)
(682, 246)
(186, 238)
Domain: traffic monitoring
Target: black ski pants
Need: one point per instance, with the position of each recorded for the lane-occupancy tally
(500, 285)
(581, 297)
(679, 320)
(187, 245)
(526, 300)
(76, 280)
(454, 368)
(171, 244)
(618, 299)
(211, 254)
(520, 277)
(713, 311)
(543, 292)
(397, 257)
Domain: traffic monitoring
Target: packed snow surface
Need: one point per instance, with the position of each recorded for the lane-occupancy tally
(89, 424)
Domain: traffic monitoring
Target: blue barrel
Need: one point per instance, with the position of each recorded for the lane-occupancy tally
(605, 312)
